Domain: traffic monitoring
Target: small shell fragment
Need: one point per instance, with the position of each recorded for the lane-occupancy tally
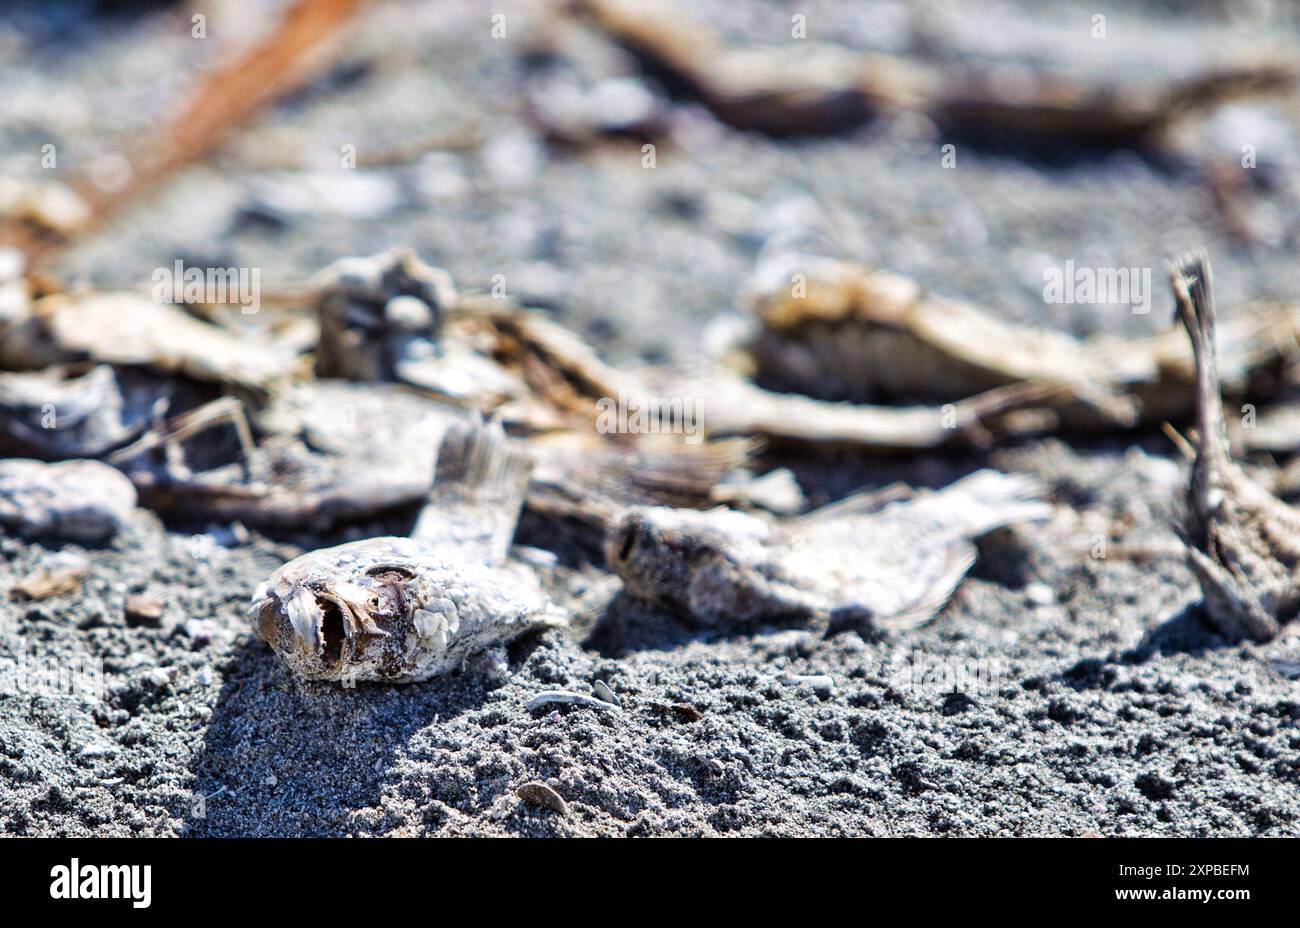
(604, 691)
(819, 682)
(564, 697)
(539, 794)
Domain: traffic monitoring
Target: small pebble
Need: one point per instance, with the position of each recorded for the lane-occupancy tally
(1040, 594)
(82, 501)
(202, 632)
(143, 610)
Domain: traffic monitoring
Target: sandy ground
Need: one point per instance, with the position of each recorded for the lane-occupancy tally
(1058, 694)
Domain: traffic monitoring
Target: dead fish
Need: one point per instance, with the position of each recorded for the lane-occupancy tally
(386, 610)
(81, 501)
(327, 452)
(852, 333)
(891, 558)
(383, 319)
(400, 610)
(53, 416)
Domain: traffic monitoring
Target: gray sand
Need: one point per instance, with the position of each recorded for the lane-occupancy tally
(1090, 695)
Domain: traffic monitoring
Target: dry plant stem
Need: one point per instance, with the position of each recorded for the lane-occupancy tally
(282, 61)
(1243, 543)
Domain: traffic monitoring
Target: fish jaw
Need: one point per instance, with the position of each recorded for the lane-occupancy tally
(384, 610)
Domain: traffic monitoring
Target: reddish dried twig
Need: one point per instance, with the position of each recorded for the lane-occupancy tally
(256, 76)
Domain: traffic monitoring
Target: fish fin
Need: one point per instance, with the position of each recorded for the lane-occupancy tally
(863, 503)
(923, 610)
(479, 485)
(990, 499)
(1194, 299)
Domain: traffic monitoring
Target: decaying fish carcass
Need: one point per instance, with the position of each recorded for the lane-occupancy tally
(568, 375)
(399, 610)
(325, 452)
(850, 333)
(127, 329)
(379, 314)
(890, 559)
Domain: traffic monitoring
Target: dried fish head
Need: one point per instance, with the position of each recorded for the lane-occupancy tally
(715, 567)
(376, 312)
(385, 610)
(398, 610)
